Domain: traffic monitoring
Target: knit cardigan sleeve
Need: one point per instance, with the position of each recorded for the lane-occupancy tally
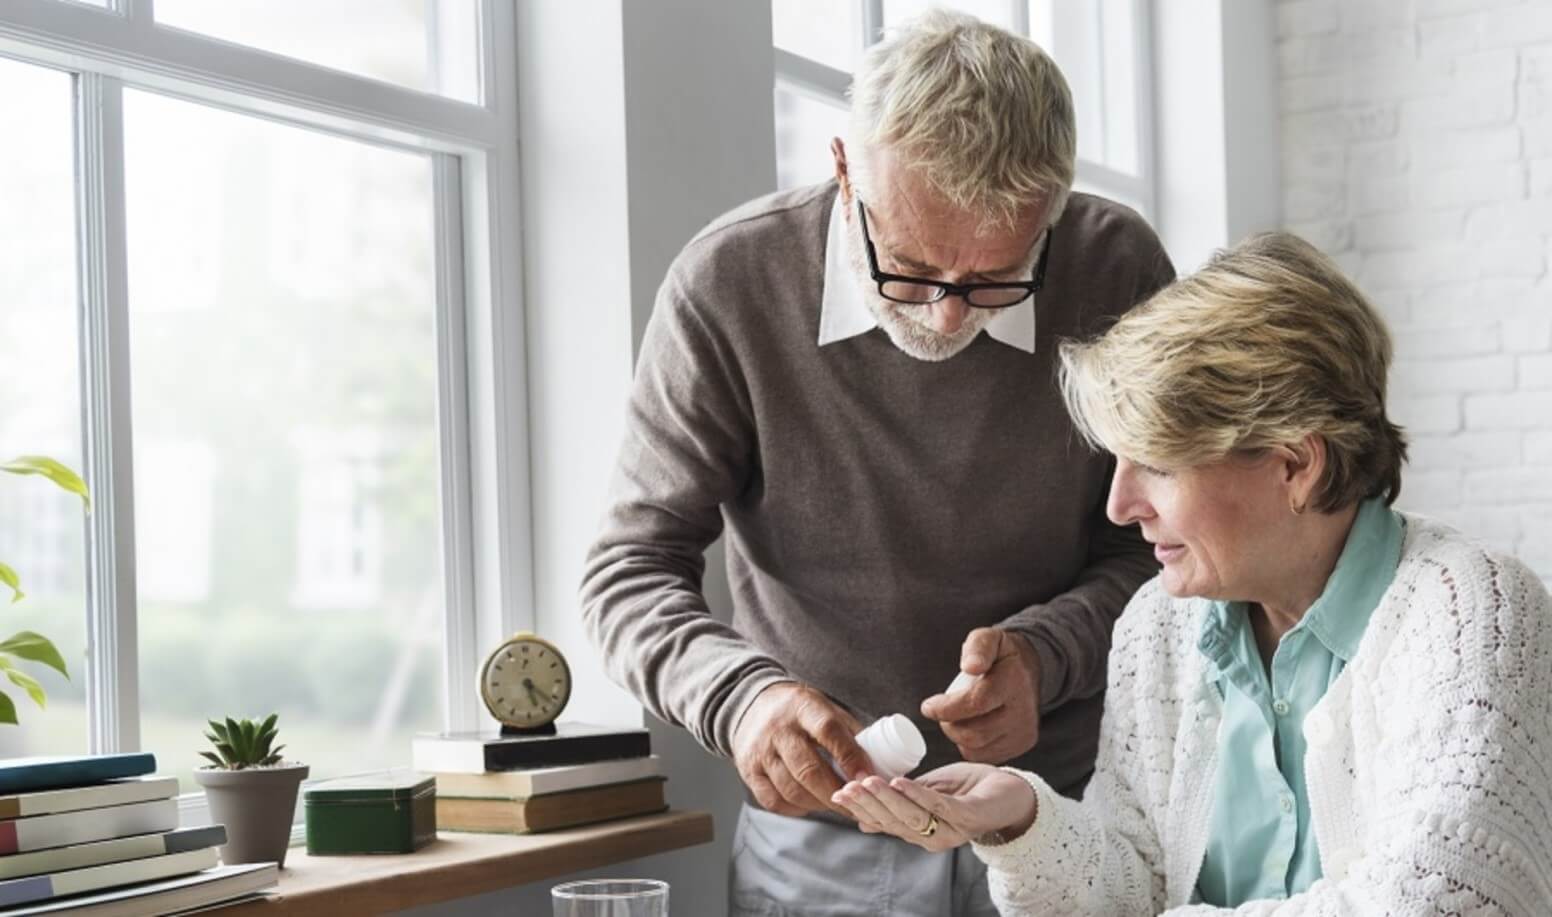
(1453, 807)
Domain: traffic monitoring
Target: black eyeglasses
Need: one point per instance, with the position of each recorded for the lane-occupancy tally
(919, 291)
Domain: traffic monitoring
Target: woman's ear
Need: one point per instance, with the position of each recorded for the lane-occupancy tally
(1302, 465)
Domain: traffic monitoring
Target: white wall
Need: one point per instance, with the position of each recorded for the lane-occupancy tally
(1417, 149)
(640, 122)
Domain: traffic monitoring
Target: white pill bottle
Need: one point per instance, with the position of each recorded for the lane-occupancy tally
(894, 745)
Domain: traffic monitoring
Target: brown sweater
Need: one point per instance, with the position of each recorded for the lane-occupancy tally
(876, 507)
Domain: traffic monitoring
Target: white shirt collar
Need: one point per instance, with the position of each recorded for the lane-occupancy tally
(843, 312)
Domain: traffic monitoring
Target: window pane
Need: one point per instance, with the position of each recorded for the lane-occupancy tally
(1095, 45)
(822, 30)
(804, 128)
(42, 536)
(431, 45)
(996, 12)
(282, 328)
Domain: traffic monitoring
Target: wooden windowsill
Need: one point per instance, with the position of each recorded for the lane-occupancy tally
(457, 865)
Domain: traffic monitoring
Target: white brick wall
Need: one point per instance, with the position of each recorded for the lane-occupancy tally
(1417, 151)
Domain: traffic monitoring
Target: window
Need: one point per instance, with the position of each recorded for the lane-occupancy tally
(41, 531)
(430, 45)
(258, 297)
(1101, 47)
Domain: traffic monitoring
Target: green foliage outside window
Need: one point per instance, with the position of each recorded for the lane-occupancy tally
(30, 645)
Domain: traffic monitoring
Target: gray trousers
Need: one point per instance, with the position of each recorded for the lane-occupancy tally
(798, 867)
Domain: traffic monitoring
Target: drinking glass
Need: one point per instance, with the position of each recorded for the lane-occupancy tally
(611, 898)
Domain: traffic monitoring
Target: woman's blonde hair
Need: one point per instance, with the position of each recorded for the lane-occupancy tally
(1266, 344)
(982, 114)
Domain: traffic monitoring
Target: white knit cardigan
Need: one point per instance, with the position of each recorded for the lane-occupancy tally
(1429, 762)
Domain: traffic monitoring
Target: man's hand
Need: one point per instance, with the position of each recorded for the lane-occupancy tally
(777, 743)
(998, 718)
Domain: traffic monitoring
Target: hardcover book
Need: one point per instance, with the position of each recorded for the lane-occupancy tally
(481, 752)
(547, 813)
(167, 896)
(111, 875)
(22, 834)
(545, 780)
(134, 847)
(23, 775)
(74, 799)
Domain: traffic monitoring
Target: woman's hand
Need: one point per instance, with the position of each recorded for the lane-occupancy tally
(966, 801)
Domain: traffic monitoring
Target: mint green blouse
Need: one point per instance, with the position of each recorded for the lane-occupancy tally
(1261, 844)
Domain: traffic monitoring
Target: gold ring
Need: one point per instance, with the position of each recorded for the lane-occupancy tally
(932, 826)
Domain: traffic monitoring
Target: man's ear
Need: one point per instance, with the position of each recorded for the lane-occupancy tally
(842, 174)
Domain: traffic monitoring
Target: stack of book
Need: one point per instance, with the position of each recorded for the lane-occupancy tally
(518, 784)
(97, 835)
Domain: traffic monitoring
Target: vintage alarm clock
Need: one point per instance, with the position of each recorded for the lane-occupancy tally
(525, 684)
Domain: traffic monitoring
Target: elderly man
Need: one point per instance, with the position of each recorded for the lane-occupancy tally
(854, 383)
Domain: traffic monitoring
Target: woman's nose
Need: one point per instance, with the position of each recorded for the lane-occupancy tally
(1126, 503)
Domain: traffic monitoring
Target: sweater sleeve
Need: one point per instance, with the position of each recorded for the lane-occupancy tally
(1071, 632)
(1102, 855)
(1459, 811)
(688, 448)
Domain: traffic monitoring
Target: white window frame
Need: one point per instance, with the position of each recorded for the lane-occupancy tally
(824, 83)
(482, 393)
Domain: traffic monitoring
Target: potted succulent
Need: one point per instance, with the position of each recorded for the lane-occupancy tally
(251, 789)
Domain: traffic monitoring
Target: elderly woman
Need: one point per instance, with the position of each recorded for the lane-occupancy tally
(1320, 705)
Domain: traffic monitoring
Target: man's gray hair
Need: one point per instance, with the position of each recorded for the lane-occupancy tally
(982, 114)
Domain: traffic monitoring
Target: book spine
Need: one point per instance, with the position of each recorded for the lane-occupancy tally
(21, 891)
(75, 799)
(91, 825)
(21, 778)
(547, 781)
(194, 838)
(506, 756)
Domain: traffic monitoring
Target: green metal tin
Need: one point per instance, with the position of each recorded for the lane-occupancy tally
(390, 812)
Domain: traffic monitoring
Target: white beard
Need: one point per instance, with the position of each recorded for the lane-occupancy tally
(909, 332)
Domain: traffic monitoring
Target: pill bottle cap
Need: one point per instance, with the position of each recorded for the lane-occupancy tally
(894, 744)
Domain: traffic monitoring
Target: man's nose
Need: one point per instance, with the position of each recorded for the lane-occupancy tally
(948, 314)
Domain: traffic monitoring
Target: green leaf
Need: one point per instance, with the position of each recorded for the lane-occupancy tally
(29, 684)
(7, 709)
(8, 577)
(214, 760)
(265, 738)
(29, 645)
(243, 741)
(54, 471)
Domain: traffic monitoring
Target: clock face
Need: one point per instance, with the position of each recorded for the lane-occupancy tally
(525, 683)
